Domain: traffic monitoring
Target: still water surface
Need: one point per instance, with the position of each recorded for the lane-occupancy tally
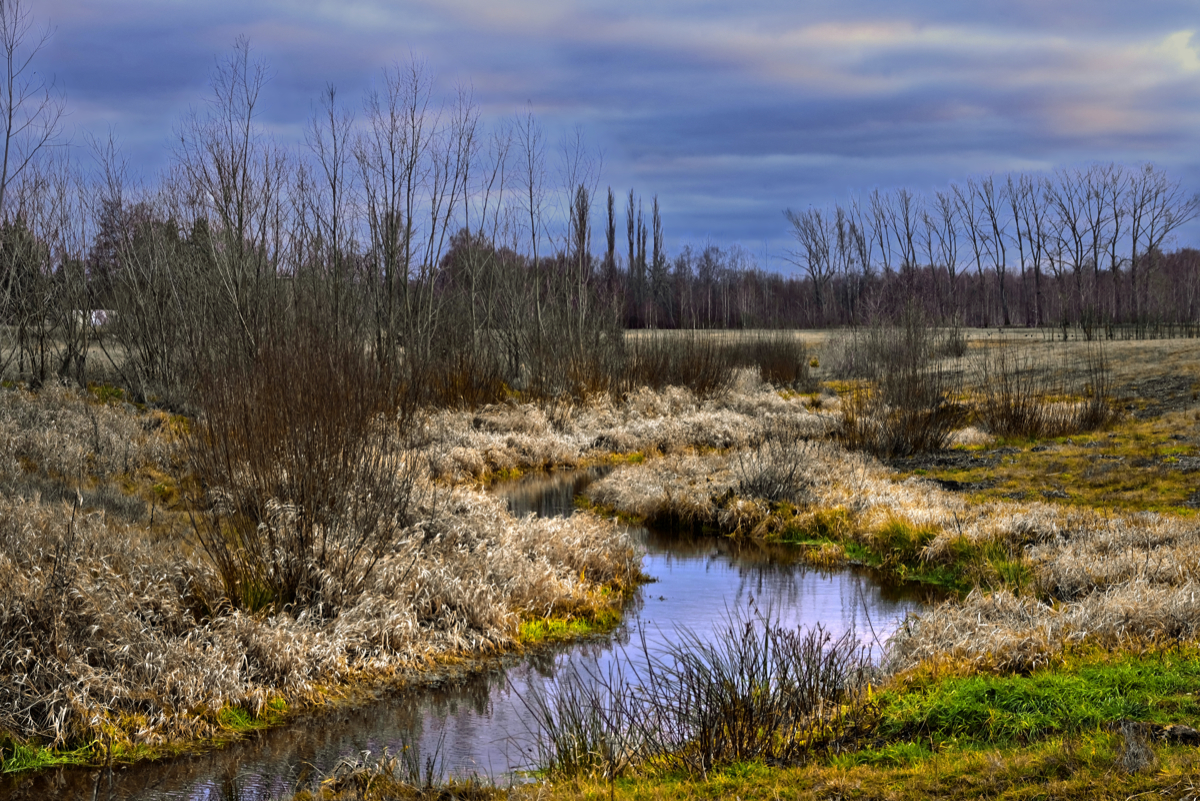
(480, 724)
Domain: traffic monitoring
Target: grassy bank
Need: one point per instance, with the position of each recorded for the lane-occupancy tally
(1095, 724)
(119, 642)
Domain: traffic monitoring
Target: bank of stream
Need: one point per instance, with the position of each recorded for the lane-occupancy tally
(477, 724)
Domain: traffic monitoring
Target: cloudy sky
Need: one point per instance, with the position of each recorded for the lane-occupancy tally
(730, 112)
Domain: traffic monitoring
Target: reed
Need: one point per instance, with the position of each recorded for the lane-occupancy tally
(755, 691)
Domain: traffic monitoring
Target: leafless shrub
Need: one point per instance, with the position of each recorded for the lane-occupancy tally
(681, 359)
(1020, 398)
(911, 340)
(776, 468)
(908, 403)
(780, 359)
(306, 489)
(911, 414)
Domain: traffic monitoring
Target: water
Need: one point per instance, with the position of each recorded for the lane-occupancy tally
(478, 724)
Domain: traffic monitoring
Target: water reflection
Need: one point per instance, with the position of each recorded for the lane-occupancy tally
(548, 494)
(480, 725)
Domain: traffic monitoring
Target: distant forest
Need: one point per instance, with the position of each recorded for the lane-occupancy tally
(1083, 247)
(405, 225)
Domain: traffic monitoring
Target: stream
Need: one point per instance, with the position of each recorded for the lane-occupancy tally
(477, 725)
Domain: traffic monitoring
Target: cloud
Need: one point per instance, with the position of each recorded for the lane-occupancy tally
(1178, 48)
(728, 112)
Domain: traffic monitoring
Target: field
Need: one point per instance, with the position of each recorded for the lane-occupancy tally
(1056, 514)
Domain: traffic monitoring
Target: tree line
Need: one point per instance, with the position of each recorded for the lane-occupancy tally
(1081, 246)
(463, 256)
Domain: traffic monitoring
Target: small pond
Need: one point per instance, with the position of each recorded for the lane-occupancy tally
(478, 724)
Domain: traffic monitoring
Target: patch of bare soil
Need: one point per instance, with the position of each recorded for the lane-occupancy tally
(954, 459)
(1157, 395)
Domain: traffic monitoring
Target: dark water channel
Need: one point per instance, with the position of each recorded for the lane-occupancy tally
(479, 724)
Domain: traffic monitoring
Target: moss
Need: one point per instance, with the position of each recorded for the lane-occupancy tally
(599, 615)
(106, 393)
(1134, 466)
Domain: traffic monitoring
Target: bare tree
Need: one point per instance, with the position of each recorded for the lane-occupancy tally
(816, 236)
(1029, 209)
(636, 272)
(659, 288)
(1067, 198)
(610, 241)
(903, 215)
(392, 155)
(945, 231)
(1158, 206)
(236, 176)
(1116, 195)
(879, 226)
(330, 139)
(31, 110)
(487, 286)
(532, 153)
(1103, 221)
(991, 201)
(972, 217)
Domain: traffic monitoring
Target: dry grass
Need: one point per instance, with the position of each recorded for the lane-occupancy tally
(503, 439)
(110, 628)
(101, 631)
(62, 441)
(113, 632)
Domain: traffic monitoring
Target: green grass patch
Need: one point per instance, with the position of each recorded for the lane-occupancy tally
(16, 757)
(831, 538)
(107, 393)
(1080, 695)
(569, 627)
(1133, 466)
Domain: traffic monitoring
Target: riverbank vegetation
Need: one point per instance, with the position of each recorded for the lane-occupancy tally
(249, 412)
(105, 554)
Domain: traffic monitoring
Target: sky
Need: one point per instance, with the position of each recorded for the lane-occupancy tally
(728, 112)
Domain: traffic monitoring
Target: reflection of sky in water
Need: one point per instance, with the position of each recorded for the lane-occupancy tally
(481, 725)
